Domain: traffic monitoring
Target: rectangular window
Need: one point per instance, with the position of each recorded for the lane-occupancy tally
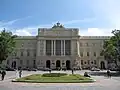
(21, 53)
(28, 53)
(21, 62)
(48, 47)
(81, 54)
(94, 53)
(58, 47)
(7, 62)
(87, 53)
(67, 47)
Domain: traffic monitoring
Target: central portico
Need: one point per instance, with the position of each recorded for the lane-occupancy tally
(58, 47)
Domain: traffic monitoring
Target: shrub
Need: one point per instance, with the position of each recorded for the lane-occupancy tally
(53, 74)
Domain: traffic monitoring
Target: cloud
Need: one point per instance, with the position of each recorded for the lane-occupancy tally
(85, 20)
(107, 9)
(8, 23)
(96, 32)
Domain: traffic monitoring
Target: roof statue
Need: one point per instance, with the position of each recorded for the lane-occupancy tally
(57, 25)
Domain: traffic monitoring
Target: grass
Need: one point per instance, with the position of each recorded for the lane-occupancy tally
(63, 78)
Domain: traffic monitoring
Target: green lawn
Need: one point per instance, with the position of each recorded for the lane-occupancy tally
(45, 78)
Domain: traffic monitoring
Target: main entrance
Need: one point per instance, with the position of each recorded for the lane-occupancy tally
(102, 65)
(13, 64)
(48, 64)
(58, 63)
(68, 64)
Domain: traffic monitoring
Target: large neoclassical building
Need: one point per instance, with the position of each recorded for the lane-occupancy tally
(58, 47)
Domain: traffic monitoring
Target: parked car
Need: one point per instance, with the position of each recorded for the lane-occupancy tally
(95, 69)
(45, 69)
(9, 69)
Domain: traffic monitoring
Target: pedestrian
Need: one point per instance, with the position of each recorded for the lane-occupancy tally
(108, 74)
(3, 73)
(20, 73)
(86, 74)
(72, 71)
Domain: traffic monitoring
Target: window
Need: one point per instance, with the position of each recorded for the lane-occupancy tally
(27, 63)
(28, 53)
(34, 63)
(81, 54)
(86, 44)
(101, 54)
(94, 53)
(21, 62)
(21, 53)
(88, 61)
(7, 62)
(81, 62)
(94, 61)
(34, 54)
(93, 44)
(87, 53)
(85, 62)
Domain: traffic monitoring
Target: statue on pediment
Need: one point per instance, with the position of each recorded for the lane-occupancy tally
(57, 25)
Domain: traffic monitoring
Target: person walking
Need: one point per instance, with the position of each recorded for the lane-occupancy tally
(108, 74)
(20, 73)
(3, 73)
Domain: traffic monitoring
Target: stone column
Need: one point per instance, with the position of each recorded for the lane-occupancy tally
(61, 47)
(64, 48)
(38, 48)
(54, 47)
(44, 47)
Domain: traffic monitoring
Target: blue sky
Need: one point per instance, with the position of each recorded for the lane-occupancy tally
(92, 17)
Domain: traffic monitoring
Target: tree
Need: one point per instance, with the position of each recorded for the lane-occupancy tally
(7, 44)
(111, 48)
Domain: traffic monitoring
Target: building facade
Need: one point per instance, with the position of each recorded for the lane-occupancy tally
(58, 47)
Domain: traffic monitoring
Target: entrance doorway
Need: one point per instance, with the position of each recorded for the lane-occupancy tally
(67, 64)
(102, 65)
(13, 64)
(58, 63)
(48, 64)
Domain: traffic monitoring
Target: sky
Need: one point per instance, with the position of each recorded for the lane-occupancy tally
(92, 17)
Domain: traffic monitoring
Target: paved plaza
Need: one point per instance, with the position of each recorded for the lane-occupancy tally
(102, 83)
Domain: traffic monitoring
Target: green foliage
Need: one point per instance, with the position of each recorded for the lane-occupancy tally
(69, 78)
(111, 47)
(53, 74)
(7, 44)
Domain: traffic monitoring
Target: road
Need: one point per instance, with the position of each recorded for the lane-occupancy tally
(102, 83)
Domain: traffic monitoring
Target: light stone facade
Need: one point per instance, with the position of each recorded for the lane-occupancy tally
(58, 47)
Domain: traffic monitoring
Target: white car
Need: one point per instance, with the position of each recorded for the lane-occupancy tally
(95, 69)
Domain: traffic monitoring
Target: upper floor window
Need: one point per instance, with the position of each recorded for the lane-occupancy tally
(93, 44)
(21, 62)
(94, 53)
(34, 54)
(86, 44)
(101, 54)
(7, 62)
(88, 54)
(81, 54)
(28, 53)
(21, 53)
